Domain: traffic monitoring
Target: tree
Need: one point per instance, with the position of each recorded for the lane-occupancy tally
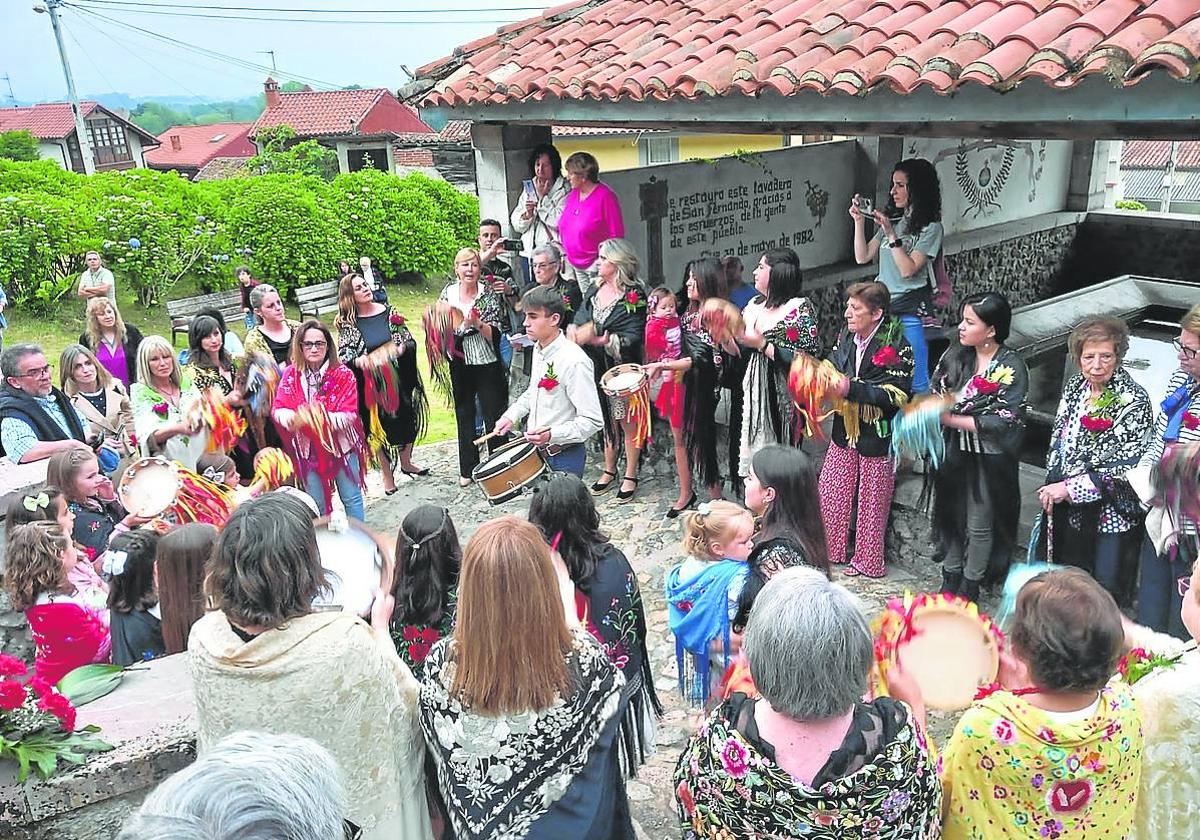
(281, 154)
(18, 145)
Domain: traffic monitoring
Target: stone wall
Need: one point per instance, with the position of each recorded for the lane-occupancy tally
(1115, 242)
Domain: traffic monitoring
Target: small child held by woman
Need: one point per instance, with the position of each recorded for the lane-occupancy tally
(664, 343)
(134, 615)
(50, 505)
(702, 594)
(67, 631)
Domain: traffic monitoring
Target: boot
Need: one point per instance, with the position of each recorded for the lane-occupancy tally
(969, 589)
(951, 581)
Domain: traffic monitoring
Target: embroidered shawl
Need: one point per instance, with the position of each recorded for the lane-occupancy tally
(1010, 770)
(66, 635)
(500, 774)
(698, 613)
(879, 387)
(1100, 454)
(881, 783)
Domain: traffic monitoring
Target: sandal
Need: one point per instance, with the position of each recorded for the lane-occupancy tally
(602, 486)
(853, 571)
(626, 495)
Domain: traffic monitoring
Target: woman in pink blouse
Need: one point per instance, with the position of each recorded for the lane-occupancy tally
(591, 214)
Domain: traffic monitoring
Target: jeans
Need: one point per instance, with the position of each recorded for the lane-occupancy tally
(506, 351)
(249, 320)
(571, 459)
(1108, 561)
(1158, 591)
(347, 488)
(914, 331)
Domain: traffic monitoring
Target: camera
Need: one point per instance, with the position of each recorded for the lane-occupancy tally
(514, 245)
(865, 205)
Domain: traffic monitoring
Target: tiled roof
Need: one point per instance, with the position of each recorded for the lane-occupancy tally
(599, 130)
(456, 131)
(201, 143)
(372, 112)
(52, 121)
(661, 49)
(1147, 185)
(1147, 154)
(220, 168)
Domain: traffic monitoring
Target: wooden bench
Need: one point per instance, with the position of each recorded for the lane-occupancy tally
(316, 299)
(181, 312)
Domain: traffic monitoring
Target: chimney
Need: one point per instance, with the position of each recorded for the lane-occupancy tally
(176, 144)
(271, 89)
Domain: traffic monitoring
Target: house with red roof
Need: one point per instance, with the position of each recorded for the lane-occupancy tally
(187, 149)
(1162, 175)
(362, 126)
(116, 142)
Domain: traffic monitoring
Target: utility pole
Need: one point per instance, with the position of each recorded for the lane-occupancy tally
(1169, 178)
(271, 53)
(85, 146)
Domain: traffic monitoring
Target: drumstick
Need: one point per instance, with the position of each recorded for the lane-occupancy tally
(485, 438)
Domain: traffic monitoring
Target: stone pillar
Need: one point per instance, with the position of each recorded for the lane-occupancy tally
(1089, 175)
(501, 164)
(873, 167)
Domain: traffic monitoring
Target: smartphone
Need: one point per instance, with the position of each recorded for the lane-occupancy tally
(530, 191)
(513, 245)
(866, 205)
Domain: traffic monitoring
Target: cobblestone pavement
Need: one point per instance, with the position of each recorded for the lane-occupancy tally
(652, 545)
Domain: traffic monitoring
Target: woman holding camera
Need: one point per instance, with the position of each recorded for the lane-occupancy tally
(908, 240)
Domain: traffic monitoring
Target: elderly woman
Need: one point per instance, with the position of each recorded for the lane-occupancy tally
(1101, 429)
(476, 372)
(264, 660)
(374, 340)
(876, 364)
(907, 242)
(160, 396)
(1170, 547)
(591, 215)
(608, 602)
(977, 496)
(611, 327)
(809, 758)
(779, 324)
(542, 729)
(114, 342)
(540, 207)
(101, 400)
(273, 335)
(1057, 750)
(316, 410)
(250, 786)
(1167, 698)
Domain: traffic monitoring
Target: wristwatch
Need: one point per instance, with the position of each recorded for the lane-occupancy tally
(896, 243)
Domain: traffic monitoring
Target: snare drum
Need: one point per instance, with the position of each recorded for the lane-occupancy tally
(944, 643)
(623, 381)
(509, 470)
(150, 486)
(353, 568)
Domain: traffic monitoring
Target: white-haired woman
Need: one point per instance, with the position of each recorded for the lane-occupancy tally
(611, 327)
(273, 334)
(809, 758)
(114, 342)
(160, 397)
(249, 786)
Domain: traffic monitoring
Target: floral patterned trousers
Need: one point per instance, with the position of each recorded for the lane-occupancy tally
(843, 473)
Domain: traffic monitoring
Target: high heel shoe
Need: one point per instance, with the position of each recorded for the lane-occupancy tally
(626, 495)
(415, 473)
(676, 512)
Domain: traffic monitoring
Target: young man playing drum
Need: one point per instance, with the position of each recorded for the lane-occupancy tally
(561, 401)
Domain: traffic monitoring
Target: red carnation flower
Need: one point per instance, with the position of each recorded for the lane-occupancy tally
(631, 296)
(410, 633)
(39, 686)
(793, 334)
(12, 695)
(546, 383)
(396, 318)
(1190, 421)
(1096, 424)
(161, 409)
(885, 356)
(430, 634)
(10, 666)
(985, 386)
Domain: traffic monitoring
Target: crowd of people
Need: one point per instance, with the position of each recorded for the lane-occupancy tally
(437, 719)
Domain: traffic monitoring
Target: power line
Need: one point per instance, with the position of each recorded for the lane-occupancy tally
(240, 62)
(88, 56)
(205, 16)
(190, 6)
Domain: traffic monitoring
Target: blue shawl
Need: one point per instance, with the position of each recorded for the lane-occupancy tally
(1175, 406)
(698, 611)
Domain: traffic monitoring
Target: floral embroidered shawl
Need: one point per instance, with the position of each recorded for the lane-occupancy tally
(881, 784)
(500, 774)
(1012, 771)
(1108, 453)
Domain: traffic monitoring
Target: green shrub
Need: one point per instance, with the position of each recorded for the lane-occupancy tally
(1127, 204)
(18, 145)
(458, 209)
(289, 238)
(42, 242)
(44, 176)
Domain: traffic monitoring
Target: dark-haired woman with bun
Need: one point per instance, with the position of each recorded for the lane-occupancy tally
(907, 242)
(977, 497)
(780, 323)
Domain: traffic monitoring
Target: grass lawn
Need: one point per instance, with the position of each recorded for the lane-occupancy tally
(55, 332)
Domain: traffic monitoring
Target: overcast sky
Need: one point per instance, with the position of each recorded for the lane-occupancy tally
(106, 57)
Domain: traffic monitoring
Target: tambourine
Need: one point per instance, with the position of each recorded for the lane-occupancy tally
(584, 333)
(943, 642)
(812, 383)
(721, 319)
(150, 486)
(353, 568)
(628, 382)
(441, 322)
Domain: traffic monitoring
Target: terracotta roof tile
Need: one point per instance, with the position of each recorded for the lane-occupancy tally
(199, 144)
(49, 121)
(1154, 154)
(373, 111)
(634, 49)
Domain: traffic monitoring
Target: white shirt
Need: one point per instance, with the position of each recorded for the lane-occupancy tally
(571, 409)
(103, 277)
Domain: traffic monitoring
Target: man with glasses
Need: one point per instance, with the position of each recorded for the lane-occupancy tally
(38, 419)
(545, 264)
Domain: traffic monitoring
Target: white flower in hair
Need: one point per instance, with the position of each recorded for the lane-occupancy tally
(114, 562)
(704, 508)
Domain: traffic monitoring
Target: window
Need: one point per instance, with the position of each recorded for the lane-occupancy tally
(109, 143)
(655, 150)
